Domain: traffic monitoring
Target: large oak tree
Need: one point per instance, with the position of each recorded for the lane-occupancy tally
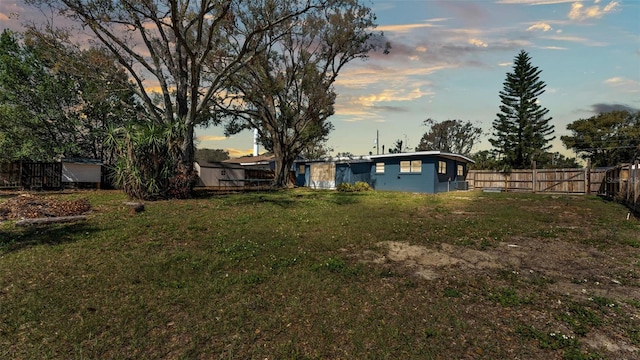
(286, 92)
(452, 136)
(183, 50)
(607, 139)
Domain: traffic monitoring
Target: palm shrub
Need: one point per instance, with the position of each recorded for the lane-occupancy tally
(362, 186)
(148, 157)
(358, 186)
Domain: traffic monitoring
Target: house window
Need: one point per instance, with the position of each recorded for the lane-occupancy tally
(442, 167)
(380, 168)
(414, 166)
(223, 172)
(460, 170)
(301, 169)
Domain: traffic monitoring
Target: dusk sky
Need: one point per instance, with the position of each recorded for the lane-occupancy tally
(449, 60)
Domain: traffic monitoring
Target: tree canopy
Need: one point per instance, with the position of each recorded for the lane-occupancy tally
(522, 131)
(452, 136)
(181, 54)
(398, 147)
(286, 91)
(211, 155)
(607, 139)
(56, 100)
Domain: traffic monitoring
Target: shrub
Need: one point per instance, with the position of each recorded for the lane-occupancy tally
(358, 186)
(362, 186)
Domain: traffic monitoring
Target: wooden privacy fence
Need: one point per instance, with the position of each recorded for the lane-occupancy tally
(568, 181)
(622, 183)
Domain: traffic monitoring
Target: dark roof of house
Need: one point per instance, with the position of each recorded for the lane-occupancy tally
(369, 158)
(338, 160)
(451, 156)
(219, 165)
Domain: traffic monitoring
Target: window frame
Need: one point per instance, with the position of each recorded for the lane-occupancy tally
(460, 170)
(411, 167)
(380, 167)
(442, 167)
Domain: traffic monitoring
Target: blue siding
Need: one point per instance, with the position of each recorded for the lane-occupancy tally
(393, 180)
(449, 181)
(443, 180)
(353, 172)
(300, 177)
(428, 180)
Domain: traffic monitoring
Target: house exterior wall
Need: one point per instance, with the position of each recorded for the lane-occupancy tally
(353, 172)
(322, 175)
(81, 173)
(394, 180)
(461, 180)
(329, 174)
(423, 173)
(444, 181)
(428, 180)
(301, 173)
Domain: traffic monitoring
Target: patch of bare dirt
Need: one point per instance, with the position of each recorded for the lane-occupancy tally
(579, 271)
(26, 206)
(429, 263)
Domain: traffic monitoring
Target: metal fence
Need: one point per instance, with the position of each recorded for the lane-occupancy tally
(31, 175)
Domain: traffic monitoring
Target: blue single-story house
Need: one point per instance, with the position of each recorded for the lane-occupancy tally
(424, 171)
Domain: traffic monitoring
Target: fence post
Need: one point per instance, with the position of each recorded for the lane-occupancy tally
(587, 178)
(506, 182)
(472, 178)
(22, 182)
(635, 181)
(534, 177)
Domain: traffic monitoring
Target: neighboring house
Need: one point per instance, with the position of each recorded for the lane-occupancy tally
(259, 170)
(241, 172)
(220, 174)
(81, 172)
(425, 171)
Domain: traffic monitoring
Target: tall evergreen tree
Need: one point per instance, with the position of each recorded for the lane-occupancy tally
(521, 131)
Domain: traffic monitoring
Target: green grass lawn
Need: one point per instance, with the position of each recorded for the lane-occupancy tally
(310, 275)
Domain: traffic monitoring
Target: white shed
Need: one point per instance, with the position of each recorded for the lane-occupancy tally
(76, 171)
(220, 174)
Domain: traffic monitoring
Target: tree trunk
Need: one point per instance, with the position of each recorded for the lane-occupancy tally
(283, 164)
(188, 152)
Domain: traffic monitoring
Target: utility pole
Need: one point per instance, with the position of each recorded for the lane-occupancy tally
(376, 141)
